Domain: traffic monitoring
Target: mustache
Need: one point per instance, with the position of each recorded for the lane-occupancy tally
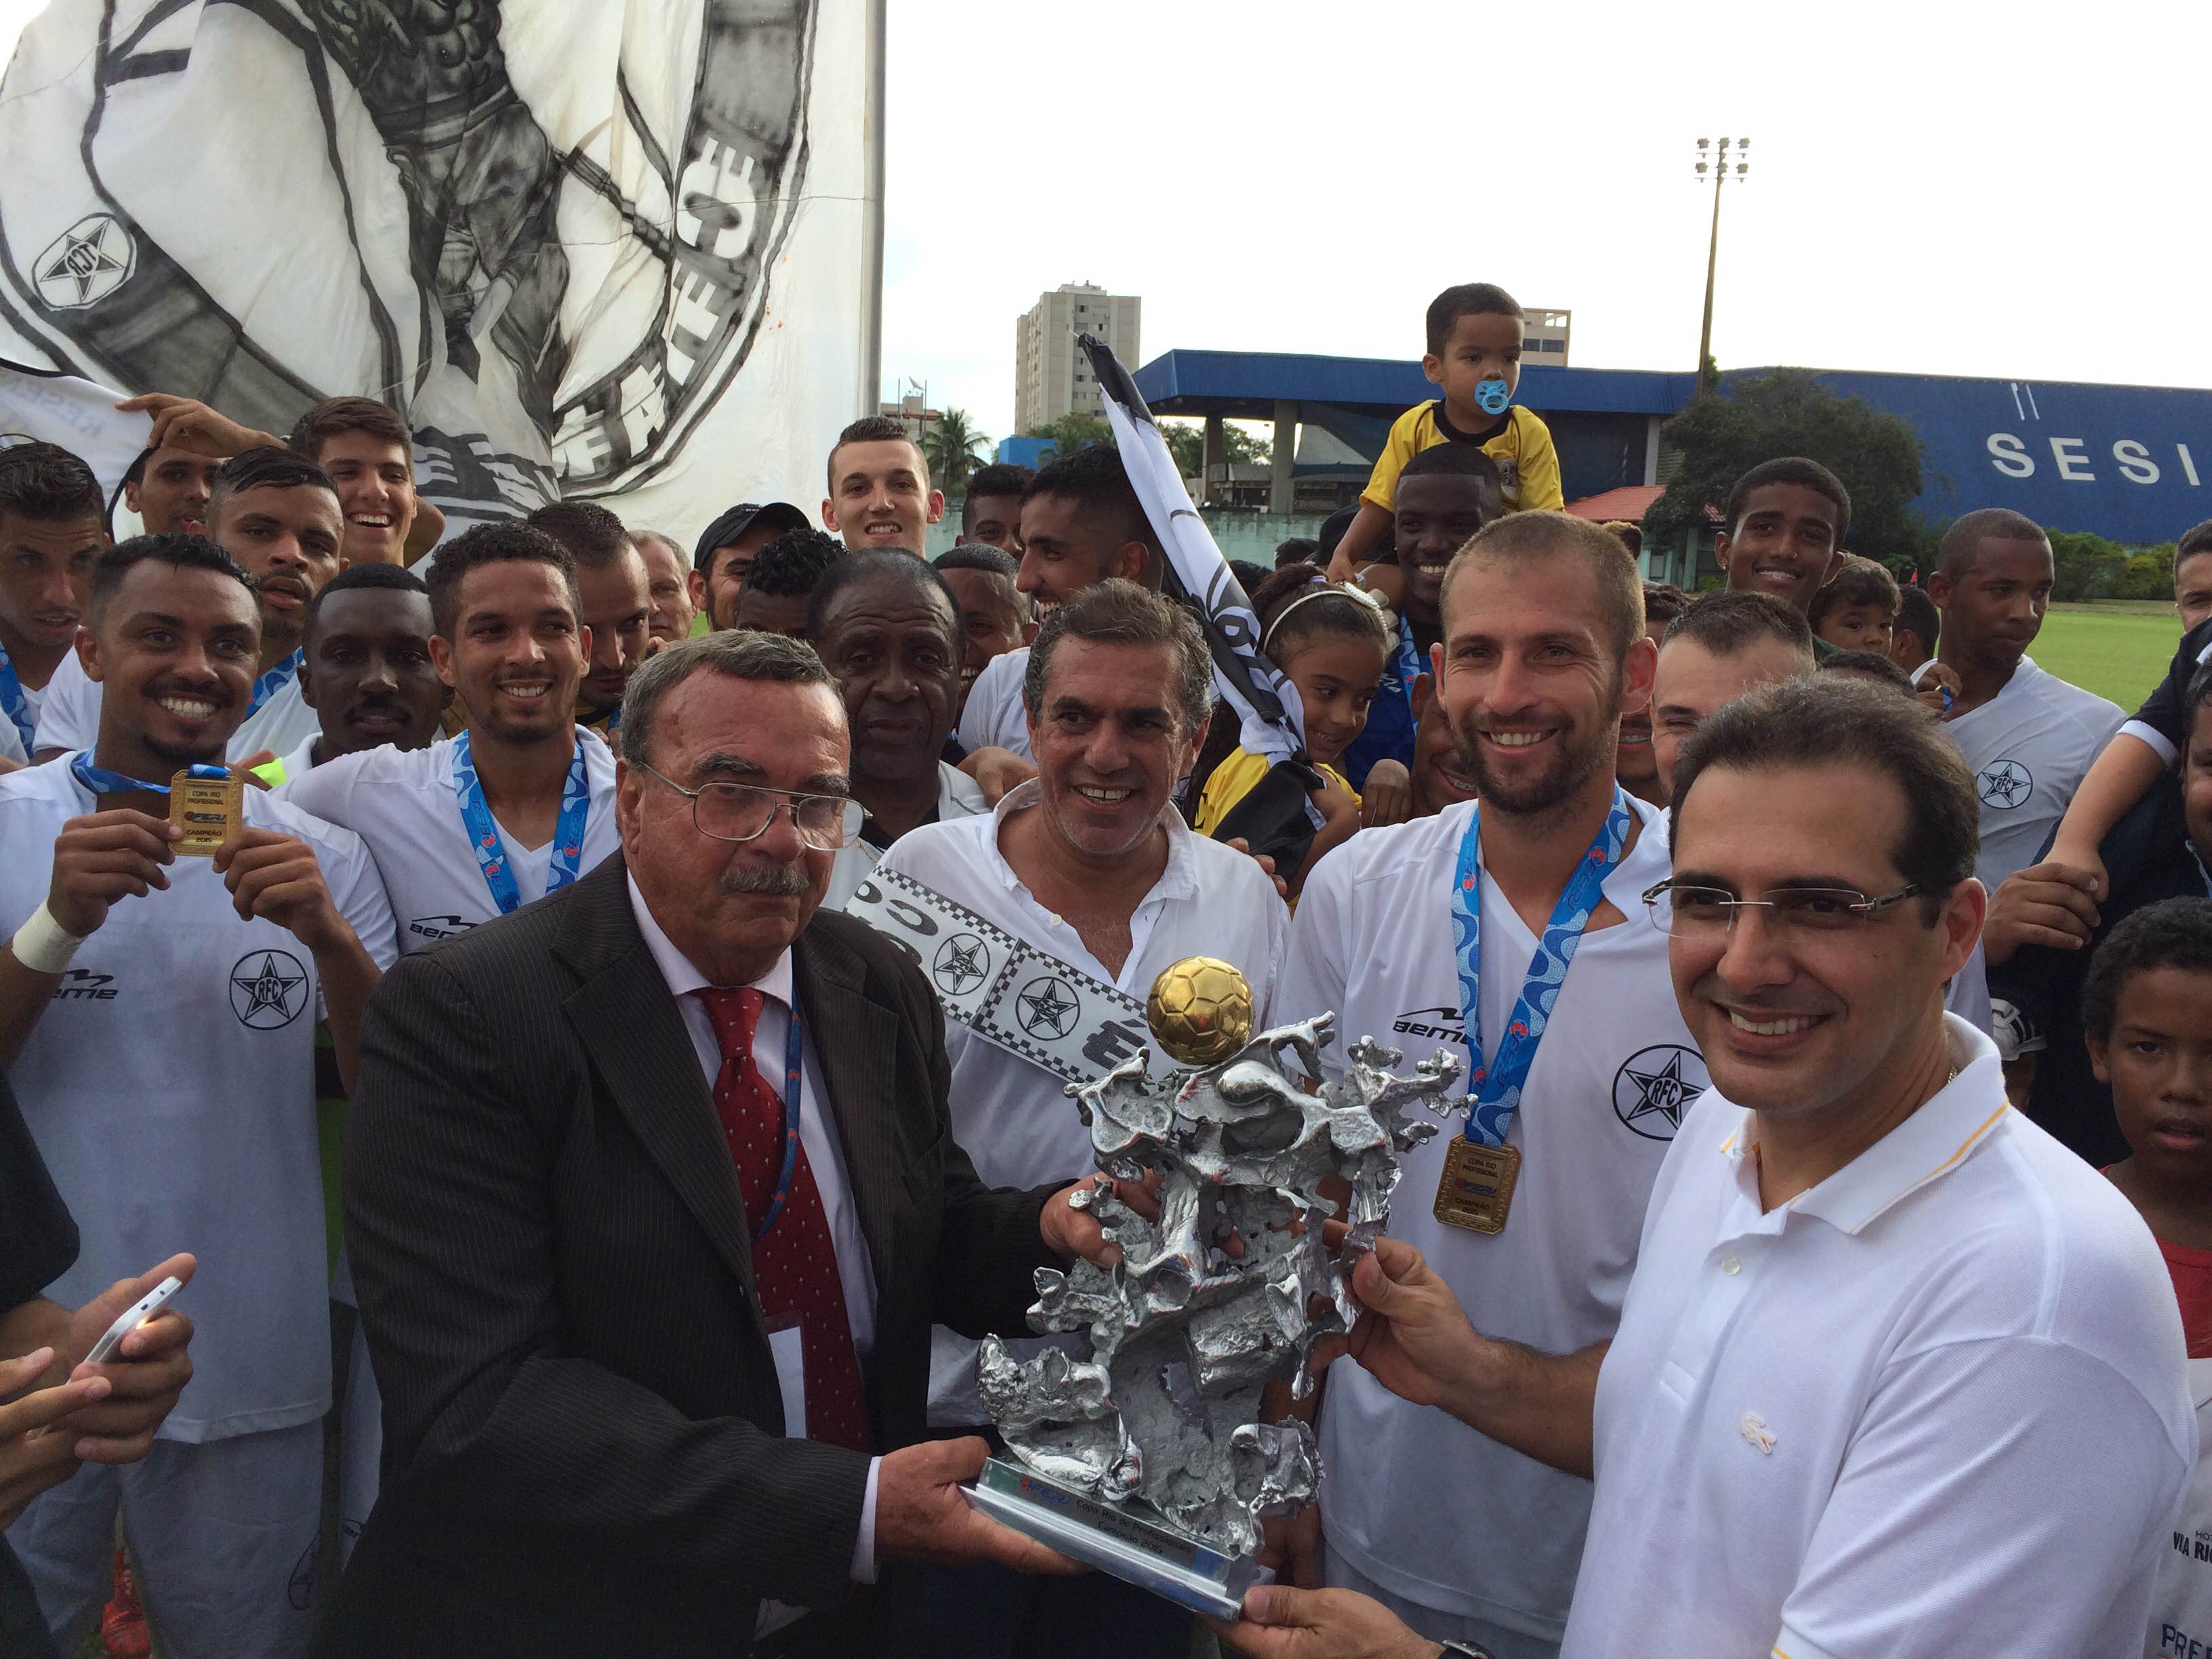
(780, 879)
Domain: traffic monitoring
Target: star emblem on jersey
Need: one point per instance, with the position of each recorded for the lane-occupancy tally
(1047, 1007)
(86, 262)
(2004, 784)
(268, 989)
(1655, 1087)
(961, 964)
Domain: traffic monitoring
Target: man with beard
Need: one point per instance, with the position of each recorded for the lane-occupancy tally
(616, 600)
(277, 515)
(366, 669)
(1088, 865)
(519, 804)
(1785, 522)
(157, 1018)
(888, 626)
(1530, 1208)
(168, 487)
(994, 614)
(1894, 1366)
(2029, 737)
(53, 522)
(1082, 524)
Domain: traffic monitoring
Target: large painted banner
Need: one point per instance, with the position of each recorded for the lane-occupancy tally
(607, 248)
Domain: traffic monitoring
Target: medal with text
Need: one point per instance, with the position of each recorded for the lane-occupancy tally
(1477, 1190)
(206, 809)
(1480, 1171)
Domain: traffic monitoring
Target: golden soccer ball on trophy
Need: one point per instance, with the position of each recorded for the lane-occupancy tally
(1201, 1010)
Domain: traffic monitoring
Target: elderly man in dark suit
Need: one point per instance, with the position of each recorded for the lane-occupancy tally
(604, 1272)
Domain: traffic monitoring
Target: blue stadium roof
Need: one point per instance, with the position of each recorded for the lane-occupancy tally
(2133, 463)
(1245, 384)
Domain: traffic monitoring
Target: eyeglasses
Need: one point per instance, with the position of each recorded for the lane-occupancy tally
(742, 811)
(1710, 912)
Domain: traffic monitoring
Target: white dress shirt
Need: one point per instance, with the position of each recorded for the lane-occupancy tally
(825, 1153)
(995, 716)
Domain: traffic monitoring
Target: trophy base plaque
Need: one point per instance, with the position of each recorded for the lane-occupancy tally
(1140, 1552)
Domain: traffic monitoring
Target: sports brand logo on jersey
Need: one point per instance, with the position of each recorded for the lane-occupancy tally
(1443, 1023)
(439, 927)
(83, 985)
(268, 989)
(2004, 784)
(1655, 1087)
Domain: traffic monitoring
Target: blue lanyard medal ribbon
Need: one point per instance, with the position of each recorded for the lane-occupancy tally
(208, 803)
(484, 834)
(14, 703)
(1481, 1170)
(1407, 660)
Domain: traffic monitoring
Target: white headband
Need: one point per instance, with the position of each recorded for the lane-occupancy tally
(1320, 591)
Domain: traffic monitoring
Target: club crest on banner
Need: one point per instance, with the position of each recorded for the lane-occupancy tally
(86, 262)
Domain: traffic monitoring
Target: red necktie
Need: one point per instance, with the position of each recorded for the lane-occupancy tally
(795, 1263)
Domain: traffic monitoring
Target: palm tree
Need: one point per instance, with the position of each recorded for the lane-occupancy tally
(950, 445)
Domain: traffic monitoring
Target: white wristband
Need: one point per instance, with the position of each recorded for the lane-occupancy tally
(43, 945)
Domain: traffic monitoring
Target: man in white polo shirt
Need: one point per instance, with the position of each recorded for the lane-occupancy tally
(277, 515)
(1078, 889)
(1896, 1369)
(1543, 649)
(157, 1020)
(887, 626)
(1081, 524)
(2029, 738)
(521, 804)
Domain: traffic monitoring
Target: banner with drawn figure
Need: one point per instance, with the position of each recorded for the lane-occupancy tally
(607, 248)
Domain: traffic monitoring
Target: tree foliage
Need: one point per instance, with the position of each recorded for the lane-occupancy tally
(2087, 567)
(950, 445)
(1721, 435)
(1072, 432)
(1187, 443)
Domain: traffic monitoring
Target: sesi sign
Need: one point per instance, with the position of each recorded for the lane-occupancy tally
(2071, 460)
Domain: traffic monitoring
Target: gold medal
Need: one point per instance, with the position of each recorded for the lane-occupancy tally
(206, 809)
(1477, 1190)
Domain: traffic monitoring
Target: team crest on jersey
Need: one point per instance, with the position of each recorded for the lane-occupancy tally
(1656, 1086)
(86, 262)
(2003, 784)
(268, 989)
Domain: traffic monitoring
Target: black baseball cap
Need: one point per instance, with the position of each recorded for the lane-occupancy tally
(779, 516)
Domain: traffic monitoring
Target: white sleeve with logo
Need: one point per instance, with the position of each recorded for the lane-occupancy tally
(69, 718)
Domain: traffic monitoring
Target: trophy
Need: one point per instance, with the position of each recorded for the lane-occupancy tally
(1147, 1460)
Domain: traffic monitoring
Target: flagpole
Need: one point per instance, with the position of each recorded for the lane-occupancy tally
(875, 22)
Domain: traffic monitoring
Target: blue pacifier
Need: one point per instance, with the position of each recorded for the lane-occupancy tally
(1492, 396)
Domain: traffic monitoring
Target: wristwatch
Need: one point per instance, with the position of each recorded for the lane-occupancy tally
(1467, 1650)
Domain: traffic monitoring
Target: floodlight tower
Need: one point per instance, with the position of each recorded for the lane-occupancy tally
(1713, 161)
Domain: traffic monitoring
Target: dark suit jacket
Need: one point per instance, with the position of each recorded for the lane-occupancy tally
(583, 1450)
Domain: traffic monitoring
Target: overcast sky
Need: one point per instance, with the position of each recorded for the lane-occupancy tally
(2015, 190)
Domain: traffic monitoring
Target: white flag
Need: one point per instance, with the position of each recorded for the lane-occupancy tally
(1266, 704)
(607, 248)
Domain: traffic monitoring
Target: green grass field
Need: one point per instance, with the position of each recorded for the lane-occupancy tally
(2116, 649)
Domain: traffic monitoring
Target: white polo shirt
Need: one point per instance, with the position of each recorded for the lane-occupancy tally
(958, 796)
(1015, 1119)
(70, 716)
(995, 714)
(403, 804)
(171, 1087)
(2029, 747)
(1404, 1485)
(1936, 1404)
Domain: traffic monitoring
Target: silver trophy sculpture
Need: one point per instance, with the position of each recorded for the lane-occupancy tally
(1148, 1459)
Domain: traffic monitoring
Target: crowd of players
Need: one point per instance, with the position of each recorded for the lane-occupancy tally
(433, 733)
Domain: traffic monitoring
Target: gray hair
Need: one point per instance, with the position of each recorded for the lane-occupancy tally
(1116, 612)
(735, 654)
